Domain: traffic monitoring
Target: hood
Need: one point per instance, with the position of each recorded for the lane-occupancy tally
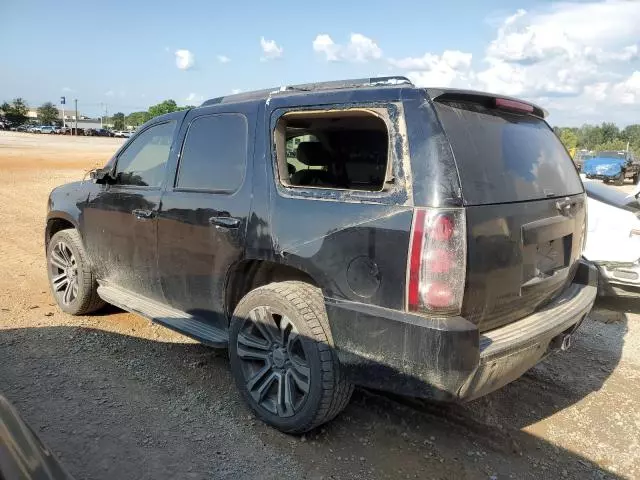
(603, 166)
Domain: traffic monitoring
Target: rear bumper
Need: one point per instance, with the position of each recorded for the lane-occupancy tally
(448, 358)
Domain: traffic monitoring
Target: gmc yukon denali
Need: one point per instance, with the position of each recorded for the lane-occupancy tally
(362, 232)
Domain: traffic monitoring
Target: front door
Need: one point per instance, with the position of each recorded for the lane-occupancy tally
(203, 217)
(120, 223)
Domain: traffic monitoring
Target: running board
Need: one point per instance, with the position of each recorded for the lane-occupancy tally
(172, 318)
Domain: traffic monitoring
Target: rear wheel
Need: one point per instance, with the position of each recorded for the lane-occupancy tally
(282, 360)
(72, 282)
(635, 179)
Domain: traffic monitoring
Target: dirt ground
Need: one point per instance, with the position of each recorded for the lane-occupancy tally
(117, 397)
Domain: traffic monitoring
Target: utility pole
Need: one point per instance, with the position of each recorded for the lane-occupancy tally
(76, 102)
(101, 112)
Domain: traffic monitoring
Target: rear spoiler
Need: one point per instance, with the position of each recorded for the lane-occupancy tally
(488, 100)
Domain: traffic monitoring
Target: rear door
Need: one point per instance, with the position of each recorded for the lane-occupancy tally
(525, 208)
(205, 209)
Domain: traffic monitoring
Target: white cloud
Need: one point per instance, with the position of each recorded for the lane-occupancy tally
(236, 91)
(270, 49)
(194, 98)
(569, 56)
(360, 48)
(324, 44)
(627, 92)
(67, 89)
(184, 59)
(109, 93)
(453, 67)
(597, 91)
(223, 58)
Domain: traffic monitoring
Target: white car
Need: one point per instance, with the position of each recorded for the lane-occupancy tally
(613, 237)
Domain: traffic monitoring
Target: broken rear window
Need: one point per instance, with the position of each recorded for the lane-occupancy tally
(346, 149)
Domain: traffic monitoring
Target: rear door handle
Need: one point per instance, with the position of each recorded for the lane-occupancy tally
(225, 222)
(142, 214)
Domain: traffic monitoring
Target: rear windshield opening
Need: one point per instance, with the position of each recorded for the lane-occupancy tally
(345, 149)
(506, 157)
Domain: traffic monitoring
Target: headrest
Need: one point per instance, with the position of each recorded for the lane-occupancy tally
(313, 154)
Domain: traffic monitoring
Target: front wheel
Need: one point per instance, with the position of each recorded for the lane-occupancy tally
(619, 180)
(282, 359)
(71, 280)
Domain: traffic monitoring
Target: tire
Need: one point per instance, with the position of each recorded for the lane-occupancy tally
(265, 358)
(71, 280)
(619, 180)
(635, 179)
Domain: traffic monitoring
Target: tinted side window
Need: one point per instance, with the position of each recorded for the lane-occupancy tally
(214, 154)
(144, 160)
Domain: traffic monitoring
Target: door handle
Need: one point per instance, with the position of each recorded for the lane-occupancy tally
(142, 214)
(225, 222)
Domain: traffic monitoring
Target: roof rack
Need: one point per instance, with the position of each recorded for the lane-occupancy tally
(312, 87)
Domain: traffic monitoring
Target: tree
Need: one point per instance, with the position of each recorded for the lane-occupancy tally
(610, 132)
(47, 113)
(569, 138)
(589, 136)
(136, 119)
(161, 108)
(118, 121)
(616, 144)
(16, 111)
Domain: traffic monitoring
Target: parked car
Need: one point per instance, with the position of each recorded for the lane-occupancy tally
(612, 166)
(34, 129)
(22, 454)
(98, 132)
(48, 129)
(613, 238)
(384, 254)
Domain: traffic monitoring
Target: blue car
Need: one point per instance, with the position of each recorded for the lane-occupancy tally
(612, 166)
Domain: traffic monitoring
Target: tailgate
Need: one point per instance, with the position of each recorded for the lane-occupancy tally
(520, 255)
(525, 208)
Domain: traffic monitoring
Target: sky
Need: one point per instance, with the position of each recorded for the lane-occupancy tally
(580, 60)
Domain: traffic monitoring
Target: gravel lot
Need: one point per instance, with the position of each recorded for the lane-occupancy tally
(117, 397)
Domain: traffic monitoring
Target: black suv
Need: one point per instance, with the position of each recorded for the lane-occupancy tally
(423, 241)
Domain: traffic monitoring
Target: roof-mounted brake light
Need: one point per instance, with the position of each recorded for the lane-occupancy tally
(514, 105)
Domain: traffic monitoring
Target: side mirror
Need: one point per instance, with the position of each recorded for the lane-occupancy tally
(100, 175)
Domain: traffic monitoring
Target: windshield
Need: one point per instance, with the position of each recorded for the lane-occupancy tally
(506, 157)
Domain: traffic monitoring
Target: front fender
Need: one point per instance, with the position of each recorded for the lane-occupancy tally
(66, 203)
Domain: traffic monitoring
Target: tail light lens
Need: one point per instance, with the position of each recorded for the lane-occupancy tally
(437, 261)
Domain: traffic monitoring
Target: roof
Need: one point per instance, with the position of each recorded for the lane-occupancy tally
(374, 82)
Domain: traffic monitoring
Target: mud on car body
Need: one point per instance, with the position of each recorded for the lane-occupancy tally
(364, 232)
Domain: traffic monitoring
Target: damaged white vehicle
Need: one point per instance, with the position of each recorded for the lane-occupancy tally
(613, 239)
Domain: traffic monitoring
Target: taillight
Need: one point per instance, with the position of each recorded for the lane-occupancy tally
(513, 105)
(437, 261)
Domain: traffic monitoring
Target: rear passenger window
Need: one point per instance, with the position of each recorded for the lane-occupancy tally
(341, 149)
(214, 154)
